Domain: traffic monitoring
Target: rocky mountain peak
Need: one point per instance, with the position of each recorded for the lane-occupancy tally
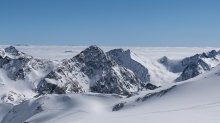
(91, 70)
(14, 53)
(93, 49)
(210, 54)
(198, 63)
(12, 50)
(199, 57)
(94, 57)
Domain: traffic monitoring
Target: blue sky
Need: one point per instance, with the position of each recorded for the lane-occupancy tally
(110, 22)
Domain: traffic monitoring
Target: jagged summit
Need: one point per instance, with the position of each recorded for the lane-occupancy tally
(199, 63)
(93, 49)
(199, 57)
(95, 55)
(210, 54)
(12, 52)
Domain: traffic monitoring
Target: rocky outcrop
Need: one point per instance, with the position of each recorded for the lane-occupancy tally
(150, 86)
(118, 106)
(157, 93)
(13, 98)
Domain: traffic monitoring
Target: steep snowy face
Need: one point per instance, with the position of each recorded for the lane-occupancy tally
(90, 70)
(124, 59)
(199, 63)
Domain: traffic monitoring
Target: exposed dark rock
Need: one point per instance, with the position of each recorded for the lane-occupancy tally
(138, 99)
(119, 106)
(147, 96)
(48, 88)
(163, 92)
(160, 93)
(150, 86)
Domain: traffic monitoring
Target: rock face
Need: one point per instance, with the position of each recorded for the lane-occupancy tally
(119, 106)
(92, 70)
(199, 63)
(124, 58)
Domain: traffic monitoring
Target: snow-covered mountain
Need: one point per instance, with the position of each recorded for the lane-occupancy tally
(199, 63)
(192, 66)
(92, 70)
(22, 66)
(98, 86)
(19, 73)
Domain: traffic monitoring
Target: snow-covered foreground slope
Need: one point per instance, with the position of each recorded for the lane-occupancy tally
(196, 100)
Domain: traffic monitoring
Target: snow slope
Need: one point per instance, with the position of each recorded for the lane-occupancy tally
(176, 105)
